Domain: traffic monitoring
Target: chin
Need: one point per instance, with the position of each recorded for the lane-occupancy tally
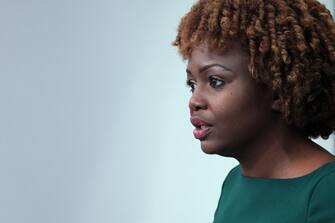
(210, 149)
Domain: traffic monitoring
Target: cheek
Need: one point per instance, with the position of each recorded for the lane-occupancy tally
(239, 112)
(238, 120)
(229, 105)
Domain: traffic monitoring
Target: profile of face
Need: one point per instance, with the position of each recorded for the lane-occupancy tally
(234, 110)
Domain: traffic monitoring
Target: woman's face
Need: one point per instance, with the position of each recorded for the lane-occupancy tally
(234, 109)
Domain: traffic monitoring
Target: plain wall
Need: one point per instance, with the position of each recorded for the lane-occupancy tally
(94, 119)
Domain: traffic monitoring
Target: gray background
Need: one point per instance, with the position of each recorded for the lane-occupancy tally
(94, 126)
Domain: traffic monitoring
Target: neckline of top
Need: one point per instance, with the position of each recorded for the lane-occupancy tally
(287, 179)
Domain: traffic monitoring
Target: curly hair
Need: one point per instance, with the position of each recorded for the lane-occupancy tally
(291, 44)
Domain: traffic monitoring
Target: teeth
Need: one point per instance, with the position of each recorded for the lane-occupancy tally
(203, 127)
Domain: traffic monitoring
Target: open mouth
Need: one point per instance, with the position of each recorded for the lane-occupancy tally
(201, 132)
(202, 128)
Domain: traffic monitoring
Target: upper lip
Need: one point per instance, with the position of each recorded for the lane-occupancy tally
(198, 122)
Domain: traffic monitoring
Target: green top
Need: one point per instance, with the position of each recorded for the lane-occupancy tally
(306, 199)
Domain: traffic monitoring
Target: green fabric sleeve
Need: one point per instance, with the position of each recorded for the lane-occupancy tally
(222, 187)
(321, 208)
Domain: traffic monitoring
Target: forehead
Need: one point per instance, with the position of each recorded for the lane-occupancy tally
(200, 53)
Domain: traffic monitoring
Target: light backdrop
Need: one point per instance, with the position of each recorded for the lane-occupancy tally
(94, 120)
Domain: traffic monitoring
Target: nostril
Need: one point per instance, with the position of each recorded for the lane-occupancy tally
(197, 107)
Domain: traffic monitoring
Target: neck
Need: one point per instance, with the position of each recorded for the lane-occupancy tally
(282, 153)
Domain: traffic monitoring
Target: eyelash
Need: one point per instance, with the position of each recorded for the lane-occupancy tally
(191, 84)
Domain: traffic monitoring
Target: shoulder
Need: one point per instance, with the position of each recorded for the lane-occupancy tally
(322, 199)
(233, 172)
(231, 176)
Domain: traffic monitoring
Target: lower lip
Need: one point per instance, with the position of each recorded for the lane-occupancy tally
(201, 133)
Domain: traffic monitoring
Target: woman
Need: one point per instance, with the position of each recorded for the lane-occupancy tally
(262, 77)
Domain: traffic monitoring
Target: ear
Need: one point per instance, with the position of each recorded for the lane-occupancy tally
(277, 104)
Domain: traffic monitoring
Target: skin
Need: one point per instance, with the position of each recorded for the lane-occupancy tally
(245, 119)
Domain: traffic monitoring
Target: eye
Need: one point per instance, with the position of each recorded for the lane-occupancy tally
(216, 82)
(190, 84)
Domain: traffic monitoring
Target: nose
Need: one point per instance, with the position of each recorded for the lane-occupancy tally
(197, 101)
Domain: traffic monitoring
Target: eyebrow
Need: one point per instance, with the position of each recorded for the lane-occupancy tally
(202, 69)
